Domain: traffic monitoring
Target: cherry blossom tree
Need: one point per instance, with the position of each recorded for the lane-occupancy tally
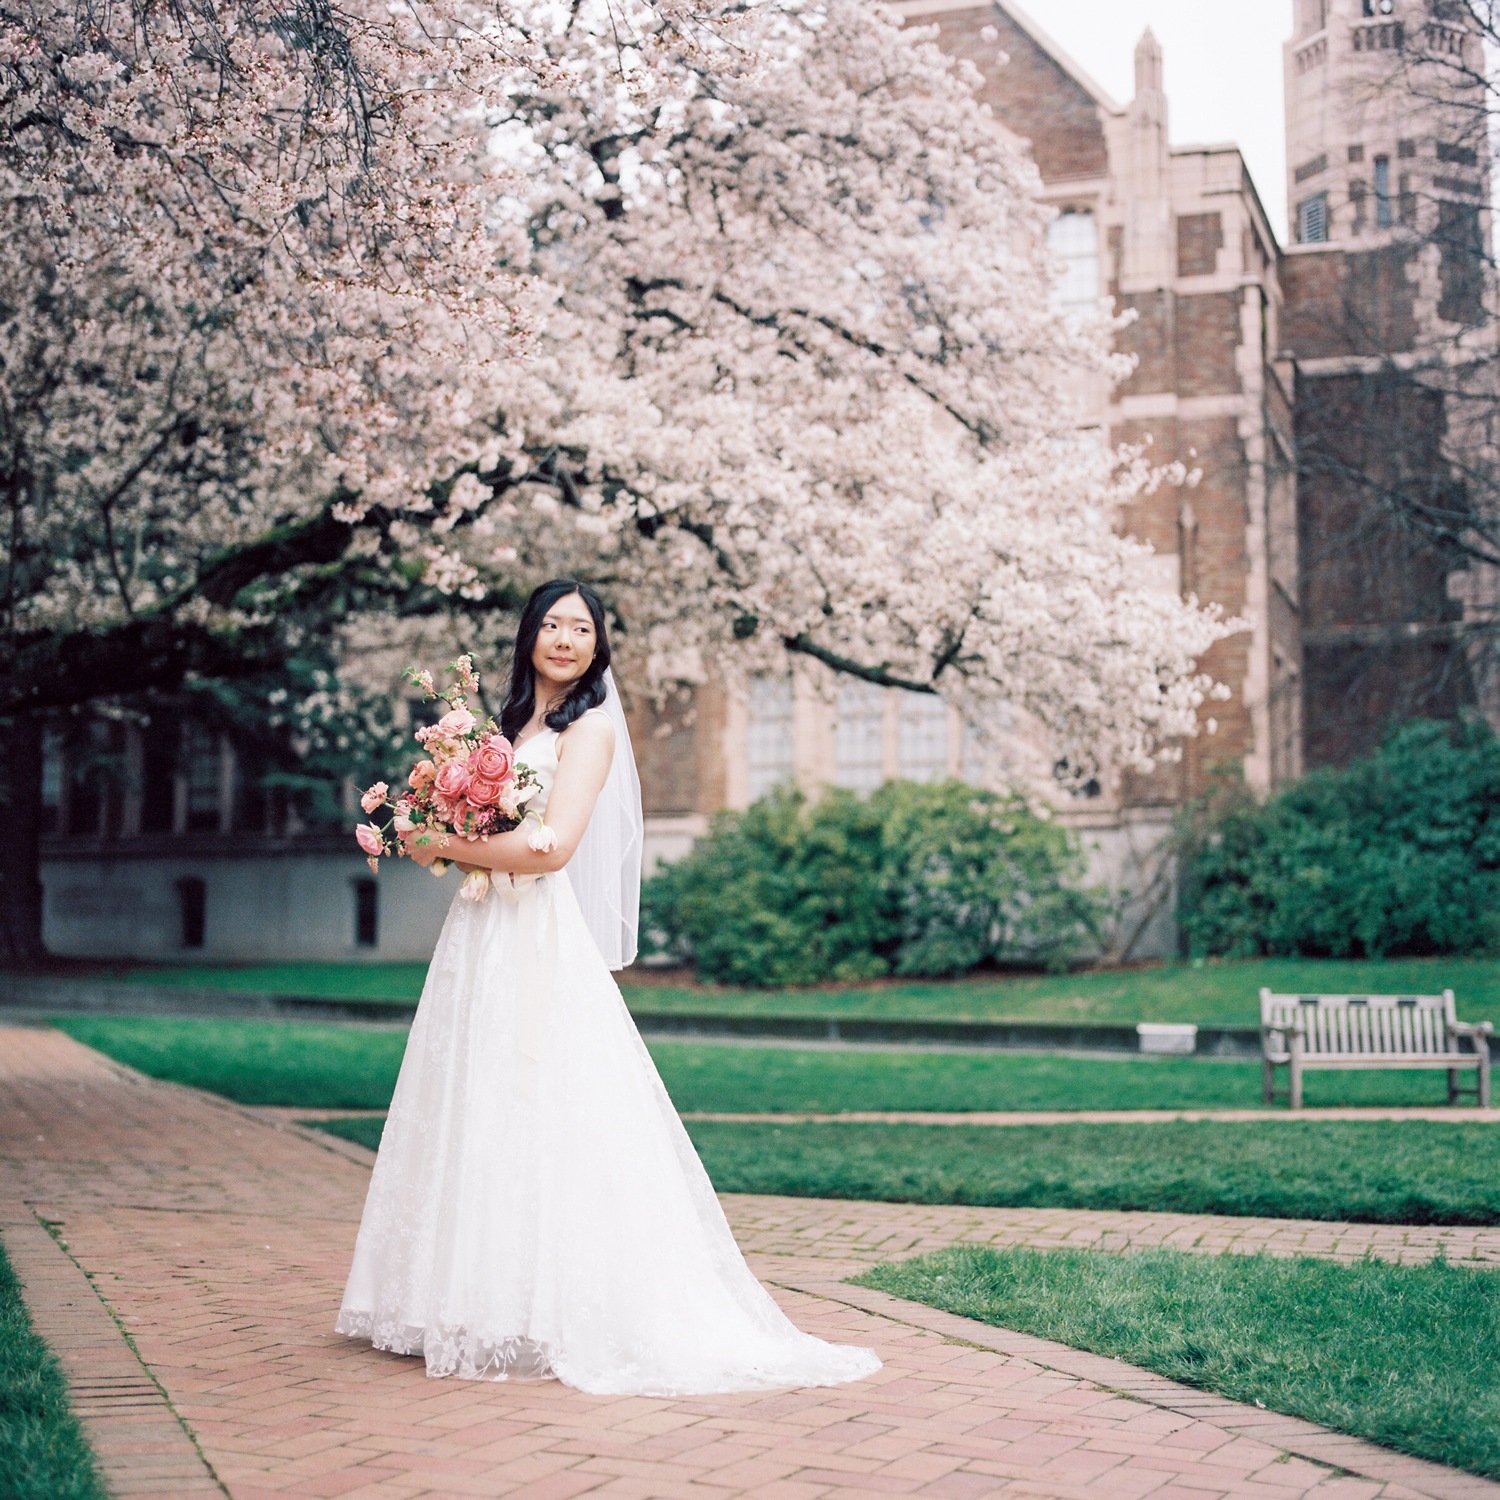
(328, 318)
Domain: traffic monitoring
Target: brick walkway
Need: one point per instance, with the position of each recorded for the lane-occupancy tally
(218, 1241)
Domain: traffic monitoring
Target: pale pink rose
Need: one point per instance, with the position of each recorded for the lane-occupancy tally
(374, 796)
(368, 837)
(452, 781)
(484, 792)
(493, 759)
(457, 721)
(403, 824)
(508, 809)
(422, 774)
(542, 839)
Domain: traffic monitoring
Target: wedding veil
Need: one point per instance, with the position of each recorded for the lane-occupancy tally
(605, 870)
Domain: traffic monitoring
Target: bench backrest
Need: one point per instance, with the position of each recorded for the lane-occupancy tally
(1348, 1025)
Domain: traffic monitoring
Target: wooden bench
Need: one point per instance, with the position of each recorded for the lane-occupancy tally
(1371, 1031)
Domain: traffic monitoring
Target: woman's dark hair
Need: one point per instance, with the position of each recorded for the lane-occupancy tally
(586, 693)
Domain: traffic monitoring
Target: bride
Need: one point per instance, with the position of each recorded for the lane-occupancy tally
(537, 1209)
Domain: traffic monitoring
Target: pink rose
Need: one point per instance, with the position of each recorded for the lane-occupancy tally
(422, 774)
(369, 839)
(493, 759)
(374, 796)
(452, 781)
(456, 722)
(484, 791)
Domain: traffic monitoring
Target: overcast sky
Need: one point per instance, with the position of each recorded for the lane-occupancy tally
(1222, 62)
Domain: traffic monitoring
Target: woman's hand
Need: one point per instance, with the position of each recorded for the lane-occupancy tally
(423, 847)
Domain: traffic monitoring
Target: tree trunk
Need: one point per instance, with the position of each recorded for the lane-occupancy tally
(21, 818)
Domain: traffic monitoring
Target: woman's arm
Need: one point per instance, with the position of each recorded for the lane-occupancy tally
(585, 750)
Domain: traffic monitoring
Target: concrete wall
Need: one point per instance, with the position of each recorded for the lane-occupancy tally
(293, 905)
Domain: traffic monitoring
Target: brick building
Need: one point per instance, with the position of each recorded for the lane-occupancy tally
(1177, 235)
(1282, 374)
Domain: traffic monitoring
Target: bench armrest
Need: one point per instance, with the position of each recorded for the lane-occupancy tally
(1283, 1035)
(1479, 1031)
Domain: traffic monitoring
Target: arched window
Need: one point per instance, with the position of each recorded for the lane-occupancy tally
(1073, 239)
(768, 733)
(1383, 215)
(1312, 220)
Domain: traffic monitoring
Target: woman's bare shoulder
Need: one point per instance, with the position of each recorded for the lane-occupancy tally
(591, 728)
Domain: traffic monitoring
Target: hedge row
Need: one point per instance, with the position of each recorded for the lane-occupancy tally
(1396, 854)
(916, 878)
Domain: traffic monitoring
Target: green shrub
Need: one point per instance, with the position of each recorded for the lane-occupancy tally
(1396, 854)
(914, 879)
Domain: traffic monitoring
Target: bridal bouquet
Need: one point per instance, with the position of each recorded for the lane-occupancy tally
(467, 785)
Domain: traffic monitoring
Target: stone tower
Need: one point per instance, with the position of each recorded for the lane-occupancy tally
(1386, 296)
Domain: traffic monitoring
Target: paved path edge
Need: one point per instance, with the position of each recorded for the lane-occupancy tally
(1320, 1445)
(140, 1444)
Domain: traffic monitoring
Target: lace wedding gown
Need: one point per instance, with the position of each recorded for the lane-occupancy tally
(537, 1208)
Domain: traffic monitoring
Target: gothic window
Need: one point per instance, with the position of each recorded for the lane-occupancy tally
(1073, 239)
(1312, 219)
(1379, 7)
(859, 735)
(366, 914)
(922, 742)
(200, 766)
(158, 777)
(1383, 215)
(768, 738)
(52, 781)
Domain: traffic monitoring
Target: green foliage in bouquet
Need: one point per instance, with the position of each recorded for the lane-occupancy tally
(1397, 854)
(914, 879)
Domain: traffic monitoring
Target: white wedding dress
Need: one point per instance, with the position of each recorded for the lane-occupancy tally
(537, 1208)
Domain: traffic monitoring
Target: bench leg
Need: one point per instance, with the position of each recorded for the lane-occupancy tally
(1484, 1081)
(1452, 1085)
(1267, 1081)
(1295, 1099)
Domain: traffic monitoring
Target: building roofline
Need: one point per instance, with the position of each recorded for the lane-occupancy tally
(1060, 56)
(918, 11)
(1226, 148)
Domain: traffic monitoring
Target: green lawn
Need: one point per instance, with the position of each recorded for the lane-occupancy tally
(1405, 1173)
(43, 1455)
(325, 1066)
(1406, 1356)
(1210, 993)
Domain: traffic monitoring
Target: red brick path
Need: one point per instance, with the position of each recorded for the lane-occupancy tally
(219, 1242)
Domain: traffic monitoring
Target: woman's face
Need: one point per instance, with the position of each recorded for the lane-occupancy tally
(564, 646)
